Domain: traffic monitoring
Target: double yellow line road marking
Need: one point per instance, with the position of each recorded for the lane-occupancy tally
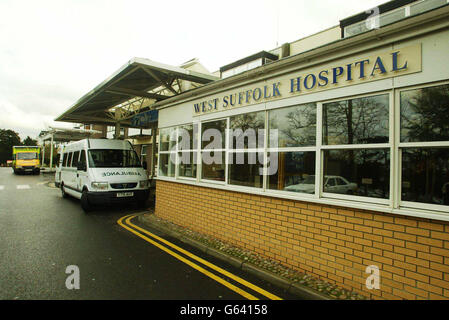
(171, 249)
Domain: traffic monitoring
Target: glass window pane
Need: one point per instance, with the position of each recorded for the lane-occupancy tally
(296, 126)
(425, 175)
(246, 169)
(295, 172)
(187, 164)
(168, 138)
(213, 134)
(392, 16)
(423, 6)
(425, 114)
(64, 159)
(166, 165)
(82, 161)
(245, 130)
(213, 165)
(363, 172)
(356, 121)
(76, 156)
(188, 137)
(69, 159)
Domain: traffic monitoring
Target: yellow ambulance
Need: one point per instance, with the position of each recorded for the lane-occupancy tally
(26, 159)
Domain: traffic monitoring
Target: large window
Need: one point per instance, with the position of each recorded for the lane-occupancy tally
(213, 154)
(187, 150)
(245, 169)
(389, 150)
(295, 172)
(167, 138)
(246, 149)
(356, 121)
(424, 147)
(291, 153)
(167, 152)
(296, 126)
(356, 147)
(361, 172)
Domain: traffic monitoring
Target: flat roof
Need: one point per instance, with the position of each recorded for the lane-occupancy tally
(65, 134)
(261, 54)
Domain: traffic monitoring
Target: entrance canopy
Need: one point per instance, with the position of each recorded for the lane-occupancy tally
(133, 89)
(60, 135)
(65, 135)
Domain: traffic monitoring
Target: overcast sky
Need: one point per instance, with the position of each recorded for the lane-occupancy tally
(54, 52)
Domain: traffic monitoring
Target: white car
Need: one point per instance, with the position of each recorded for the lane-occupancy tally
(332, 184)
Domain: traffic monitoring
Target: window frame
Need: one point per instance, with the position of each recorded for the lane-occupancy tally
(393, 204)
(168, 152)
(191, 150)
(200, 151)
(399, 146)
(368, 146)
(230, 152)
(269, 149)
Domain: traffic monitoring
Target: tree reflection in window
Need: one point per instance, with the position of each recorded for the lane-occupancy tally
(425, 114)
(296, 125)
(425, 175)
(245, 129)
(356, 121)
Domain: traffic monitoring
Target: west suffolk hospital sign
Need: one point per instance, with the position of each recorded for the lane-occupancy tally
(351, 72)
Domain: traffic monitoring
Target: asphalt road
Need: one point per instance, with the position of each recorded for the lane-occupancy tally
(41, 234)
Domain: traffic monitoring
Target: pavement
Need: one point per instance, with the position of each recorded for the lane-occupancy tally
(292, 281)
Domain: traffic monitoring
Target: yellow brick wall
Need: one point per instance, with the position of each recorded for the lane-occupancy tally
(332, 243)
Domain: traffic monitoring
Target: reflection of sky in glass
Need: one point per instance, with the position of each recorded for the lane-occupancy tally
(166, 142)
(187, 136)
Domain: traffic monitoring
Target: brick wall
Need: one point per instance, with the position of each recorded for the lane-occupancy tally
(332, 243)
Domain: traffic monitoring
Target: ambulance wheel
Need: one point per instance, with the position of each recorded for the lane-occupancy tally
(85, 202)
(63, 193)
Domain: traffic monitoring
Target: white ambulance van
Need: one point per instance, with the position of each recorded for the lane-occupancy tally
(102, 171)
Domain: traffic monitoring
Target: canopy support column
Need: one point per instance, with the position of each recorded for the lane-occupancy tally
(153, 150)
(43, 153)
(117, 130)
(51, 152)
